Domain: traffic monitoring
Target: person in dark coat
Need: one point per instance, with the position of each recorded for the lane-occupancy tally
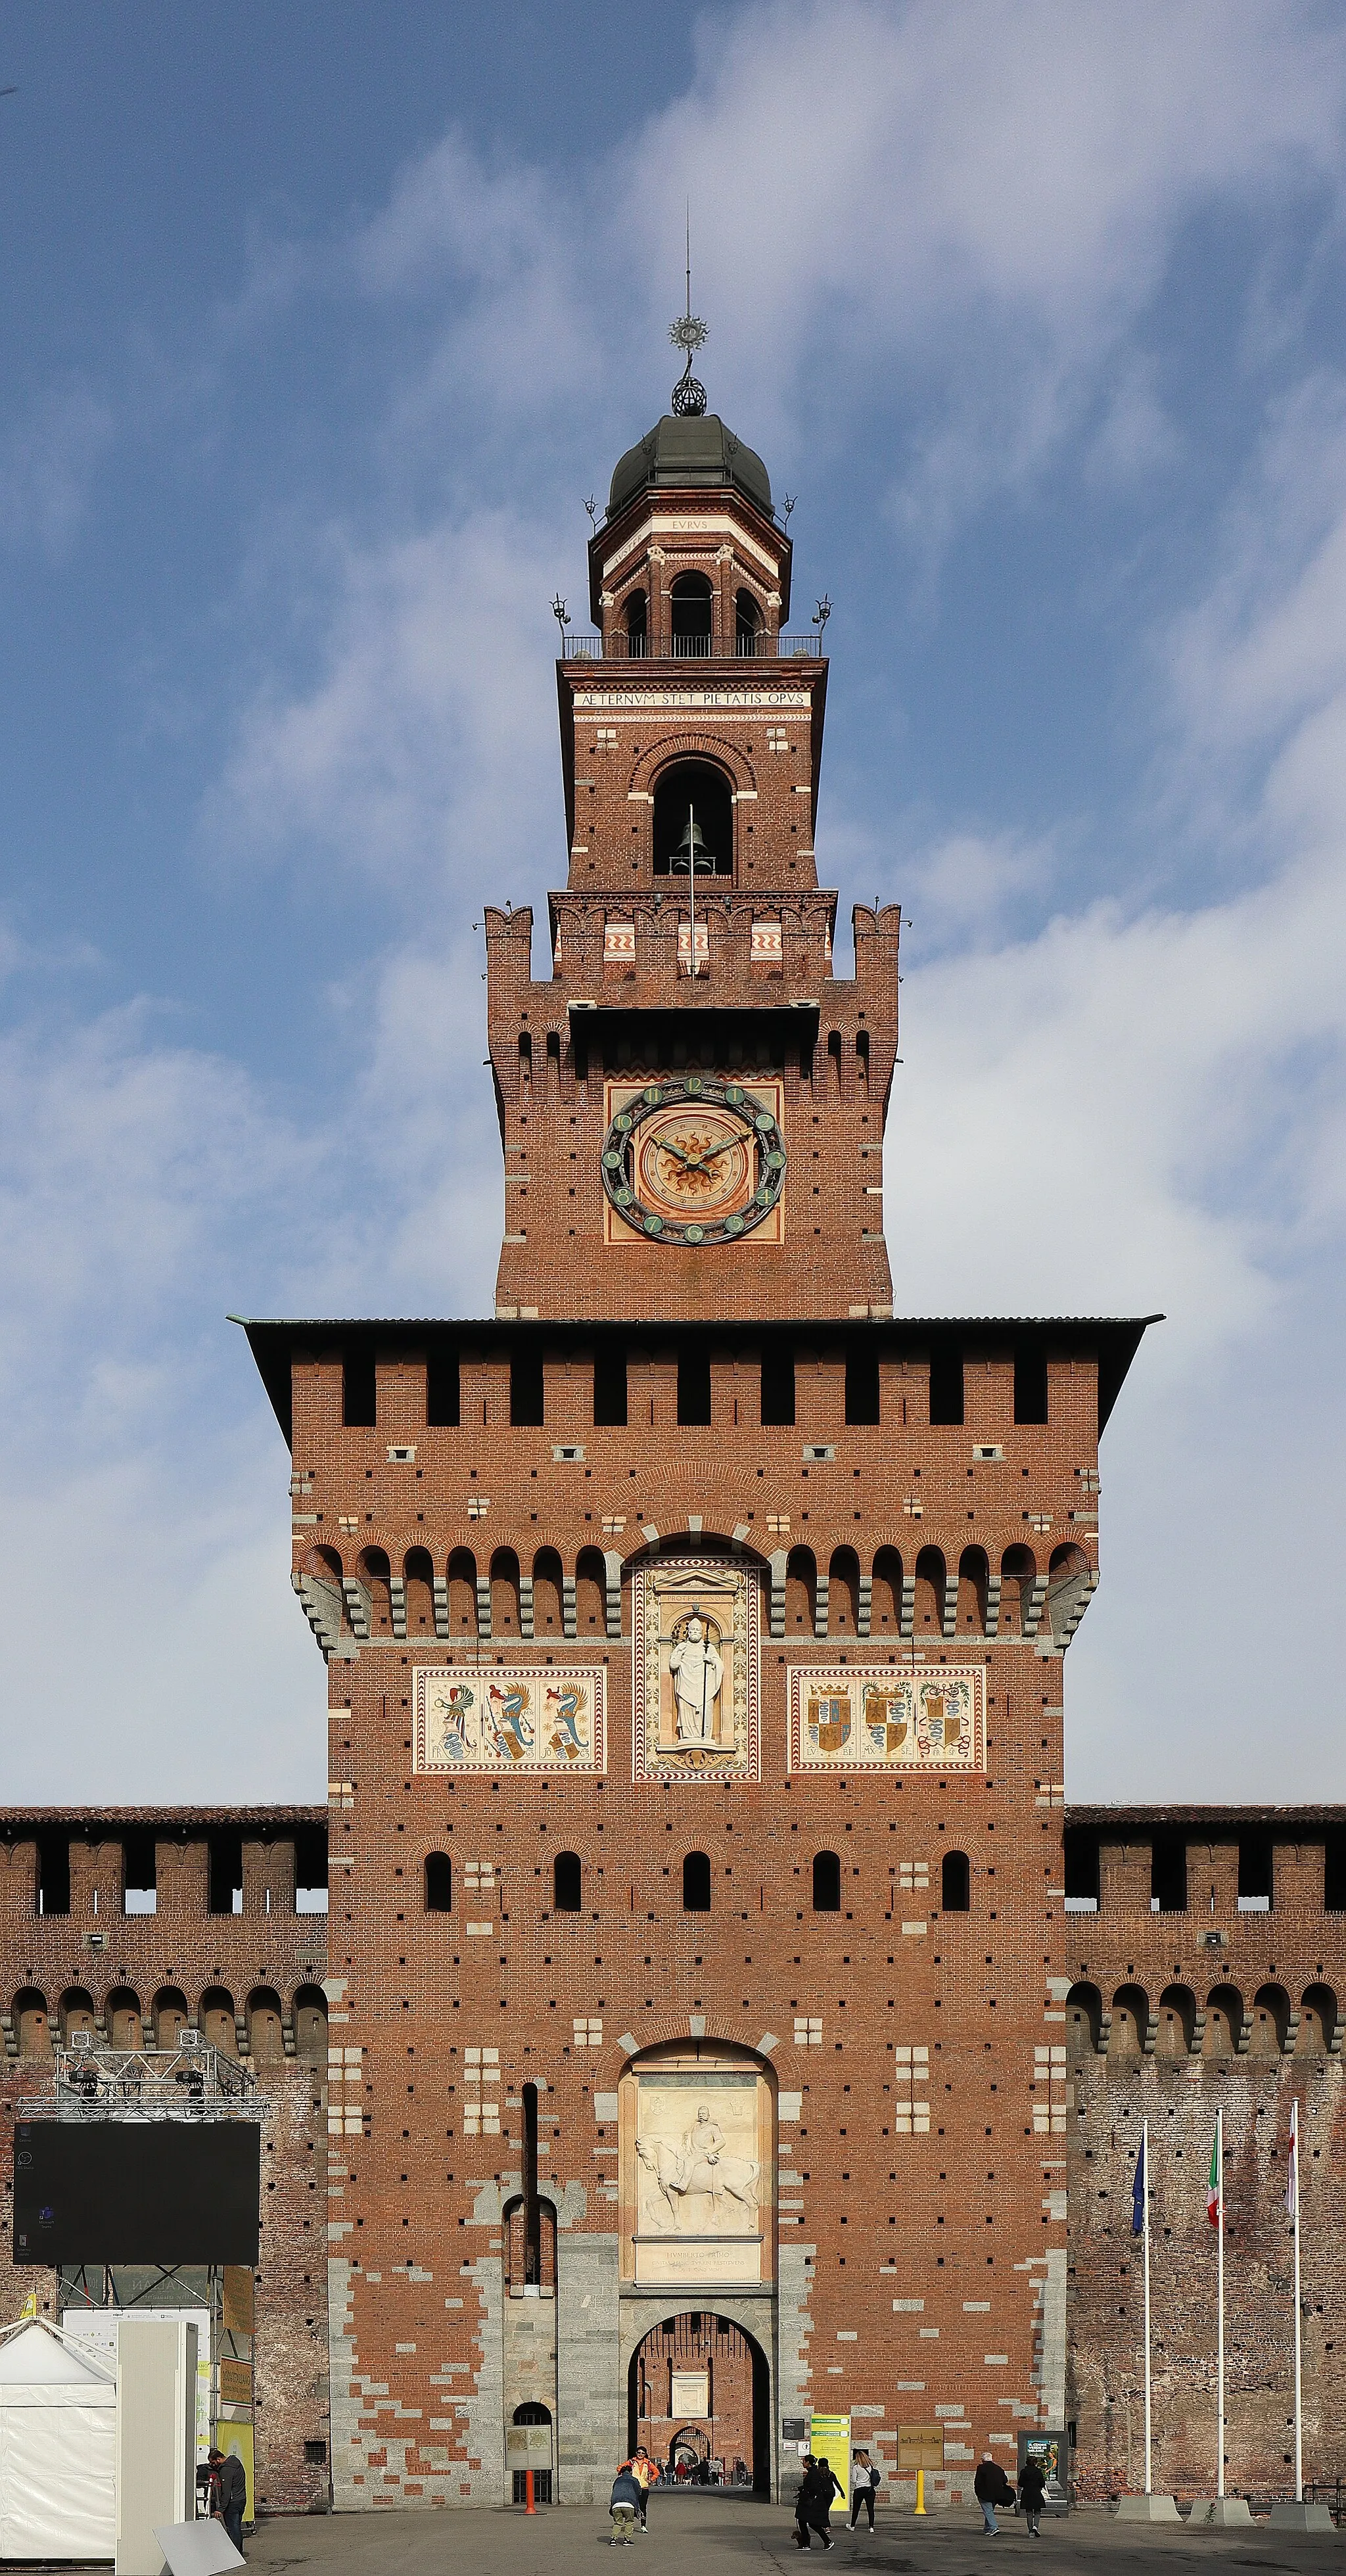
(230, 2489)
(624, 2503)
(1032, 2489)
(814, 2502)
(991, 2487)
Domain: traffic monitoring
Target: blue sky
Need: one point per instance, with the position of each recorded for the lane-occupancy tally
(320, 324)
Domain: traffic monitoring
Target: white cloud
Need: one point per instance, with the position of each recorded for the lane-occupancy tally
(418, 755)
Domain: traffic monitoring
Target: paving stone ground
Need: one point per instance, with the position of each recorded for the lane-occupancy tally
(738, 2536)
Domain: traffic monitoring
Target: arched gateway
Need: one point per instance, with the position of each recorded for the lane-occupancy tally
(699, 2402)
(697, 2298)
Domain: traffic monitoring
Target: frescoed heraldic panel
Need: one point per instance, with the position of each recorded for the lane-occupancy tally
(881, 1717)
(510, 1717)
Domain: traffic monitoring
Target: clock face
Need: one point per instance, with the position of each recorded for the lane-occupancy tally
(694, 1161)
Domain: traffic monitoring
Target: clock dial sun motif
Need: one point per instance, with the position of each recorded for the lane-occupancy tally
(694, 1161)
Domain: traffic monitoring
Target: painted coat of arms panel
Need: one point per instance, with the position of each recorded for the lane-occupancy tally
(695, 1678)
(510, 1717)
(881, 1717)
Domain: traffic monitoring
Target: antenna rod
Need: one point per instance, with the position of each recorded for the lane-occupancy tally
(689, 259)
(691, 881)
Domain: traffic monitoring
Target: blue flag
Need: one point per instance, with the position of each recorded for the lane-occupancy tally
(1138, 2188)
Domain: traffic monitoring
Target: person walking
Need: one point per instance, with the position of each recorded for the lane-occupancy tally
(643, 2468)
(624, 2504)
(813, 2504)
(230, 2490)
(862, 2489)
(1032, 2490)
(991, 2487)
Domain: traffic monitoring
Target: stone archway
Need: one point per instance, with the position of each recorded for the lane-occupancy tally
(699, 2389)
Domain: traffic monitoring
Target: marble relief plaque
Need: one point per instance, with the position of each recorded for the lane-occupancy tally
(887, 1717)
(695, 1680)
(509, 1717)
(699, 2177)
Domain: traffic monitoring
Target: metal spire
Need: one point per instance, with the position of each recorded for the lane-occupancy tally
(688, 333)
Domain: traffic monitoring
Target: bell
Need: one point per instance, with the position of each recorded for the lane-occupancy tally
(691, 857)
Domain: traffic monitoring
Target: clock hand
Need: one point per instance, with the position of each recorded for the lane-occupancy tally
(712, 1151)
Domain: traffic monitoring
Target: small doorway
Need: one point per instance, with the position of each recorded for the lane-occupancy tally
(699, 2402)
(540, 2418)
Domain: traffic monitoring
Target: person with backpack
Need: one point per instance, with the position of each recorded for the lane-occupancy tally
(991, 2487)
(1032, 2490)
(864, 2480)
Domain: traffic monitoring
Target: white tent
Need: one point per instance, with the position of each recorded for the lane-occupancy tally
(58, 2446)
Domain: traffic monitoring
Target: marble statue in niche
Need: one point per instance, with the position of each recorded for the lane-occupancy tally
(695, 1650)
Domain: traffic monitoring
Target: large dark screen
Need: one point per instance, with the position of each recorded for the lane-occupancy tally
(133, 2191)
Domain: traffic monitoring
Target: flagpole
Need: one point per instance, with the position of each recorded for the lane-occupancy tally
(1145, 2151)
(1219, 2344)
(1299, 2385)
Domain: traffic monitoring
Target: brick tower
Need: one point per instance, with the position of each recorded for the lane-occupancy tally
(692, 1606)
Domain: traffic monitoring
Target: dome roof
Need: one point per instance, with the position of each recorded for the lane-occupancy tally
(695, 449)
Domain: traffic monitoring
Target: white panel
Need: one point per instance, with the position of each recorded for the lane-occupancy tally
(58, 2480)
(156, 2436)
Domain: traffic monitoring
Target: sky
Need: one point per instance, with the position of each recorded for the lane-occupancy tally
(321, 323)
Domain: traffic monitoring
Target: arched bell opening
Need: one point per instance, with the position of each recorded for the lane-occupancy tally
(693, 818)
(698, 2395)
(691, 603)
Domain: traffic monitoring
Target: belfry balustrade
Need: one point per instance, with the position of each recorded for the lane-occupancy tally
(621, 645)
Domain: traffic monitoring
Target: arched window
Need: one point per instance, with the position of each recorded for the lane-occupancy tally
(1084, 2020)
(547, 1593)
(310, 2024)
(505, 1615)
(843, 1593)
(1224, 2022)
(1177, 2021)
(122, 2014)
(373, 1570)
(170, 2017)
(636, 621)
(692, 804)
(696, 1883)
(217, 2022)
(929, 1616)
(801, 1584)
(567, 1882)
(590, 1593)
(973, 1577)
(955, 1883)
(266, 2029)
(691, 602)
(748, 622)
(1271, 2022)
(418, 1573)
(462, 1593)
(1317, 2021)
(1018, 1573)
(31, 2025)
(1130, 2021)
(76, 2014)
(885, 1616)
(438, 1883)
(826, 1883)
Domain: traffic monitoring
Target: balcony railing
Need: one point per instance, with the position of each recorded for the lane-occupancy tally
(621, 647)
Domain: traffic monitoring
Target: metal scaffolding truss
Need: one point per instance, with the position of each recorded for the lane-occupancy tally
(193, 2081)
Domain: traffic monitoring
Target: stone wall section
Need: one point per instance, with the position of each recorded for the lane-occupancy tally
(1174, 2014)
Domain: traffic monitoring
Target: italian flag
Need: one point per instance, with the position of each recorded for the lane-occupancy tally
(1214, 2185)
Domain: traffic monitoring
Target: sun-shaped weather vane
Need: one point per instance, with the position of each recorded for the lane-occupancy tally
(688, 333)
